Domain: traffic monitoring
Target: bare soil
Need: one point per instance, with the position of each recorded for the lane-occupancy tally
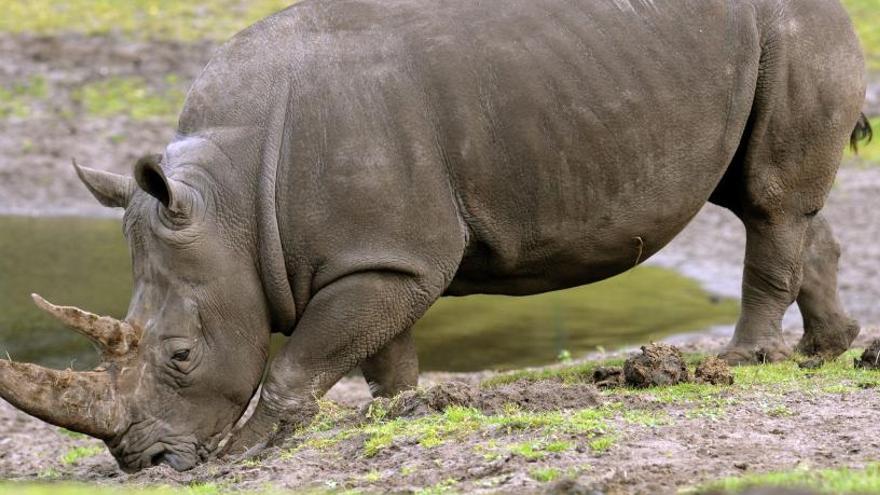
(745, 430)
(36, 176)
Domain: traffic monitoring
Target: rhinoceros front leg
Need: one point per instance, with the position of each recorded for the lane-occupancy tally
(344, 323)
(395, 368)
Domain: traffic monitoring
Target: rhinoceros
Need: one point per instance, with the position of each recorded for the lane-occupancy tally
(342, 164)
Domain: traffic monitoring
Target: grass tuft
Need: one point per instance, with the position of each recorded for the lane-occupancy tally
(77, 454)
(544, 474)
(841, 481)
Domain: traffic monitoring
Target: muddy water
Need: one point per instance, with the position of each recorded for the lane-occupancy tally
(85, 262)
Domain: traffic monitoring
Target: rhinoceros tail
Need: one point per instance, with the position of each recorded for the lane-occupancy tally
(862, 132)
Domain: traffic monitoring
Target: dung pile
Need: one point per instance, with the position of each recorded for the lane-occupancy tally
(713, 370)
(870, 359)
(657, 365)
(608, 377)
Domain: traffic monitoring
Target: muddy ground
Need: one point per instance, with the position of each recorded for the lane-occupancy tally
(658, 444)
(749, 430)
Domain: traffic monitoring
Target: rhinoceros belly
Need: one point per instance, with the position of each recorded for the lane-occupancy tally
(593, 142)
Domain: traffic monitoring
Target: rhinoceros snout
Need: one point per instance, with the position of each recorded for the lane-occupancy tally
(175, 461)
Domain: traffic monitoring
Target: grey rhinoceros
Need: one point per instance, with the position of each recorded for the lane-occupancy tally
(341, 165)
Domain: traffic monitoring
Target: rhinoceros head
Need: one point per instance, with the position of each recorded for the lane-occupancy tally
(179, 371)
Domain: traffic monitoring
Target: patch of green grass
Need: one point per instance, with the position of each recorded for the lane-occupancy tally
(578, 373)
(445, 486)
(538, 449)
(602, 444)
(373, 476)
(826, 481)
(712, 409)
(866, 18)
(544, 474)
(77, 454)
(17, 99)
(780, 411)
(681, 393)
(138, 19)
(130, 97)
(436, 429)
(72, 434)
(530, 451)
(786, 376)
(558, 446)
(651, 419)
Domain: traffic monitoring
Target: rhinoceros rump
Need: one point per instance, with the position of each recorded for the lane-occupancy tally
(344, 163)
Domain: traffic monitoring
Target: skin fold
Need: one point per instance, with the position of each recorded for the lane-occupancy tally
(341, 165)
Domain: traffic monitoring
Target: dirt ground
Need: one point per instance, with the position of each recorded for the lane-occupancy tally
(659, 445)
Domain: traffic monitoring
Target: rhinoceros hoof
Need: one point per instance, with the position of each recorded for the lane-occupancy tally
(828, 342)
(755, 354)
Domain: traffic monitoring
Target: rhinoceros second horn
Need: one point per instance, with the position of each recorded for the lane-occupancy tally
(115, 338)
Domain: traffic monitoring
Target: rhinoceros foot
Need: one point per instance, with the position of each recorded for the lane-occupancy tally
(737, 355)
(828, 341)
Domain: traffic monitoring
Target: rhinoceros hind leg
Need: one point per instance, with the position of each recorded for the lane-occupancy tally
(394, 369)
(828, 330)
(771, 279)
(770, 284)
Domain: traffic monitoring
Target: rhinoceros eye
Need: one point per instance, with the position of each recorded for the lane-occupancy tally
(181, 355)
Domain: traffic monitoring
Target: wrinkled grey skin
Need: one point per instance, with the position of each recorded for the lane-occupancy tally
(341, 165)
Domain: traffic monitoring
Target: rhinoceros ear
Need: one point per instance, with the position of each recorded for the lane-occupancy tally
(109, 189)
(176, 196)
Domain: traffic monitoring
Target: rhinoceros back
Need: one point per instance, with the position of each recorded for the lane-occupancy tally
(564, 140)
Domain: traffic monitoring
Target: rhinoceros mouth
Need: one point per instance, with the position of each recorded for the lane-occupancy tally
(150, 442)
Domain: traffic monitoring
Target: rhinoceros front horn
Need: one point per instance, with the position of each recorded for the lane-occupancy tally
(76, 400)
(80, 401)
